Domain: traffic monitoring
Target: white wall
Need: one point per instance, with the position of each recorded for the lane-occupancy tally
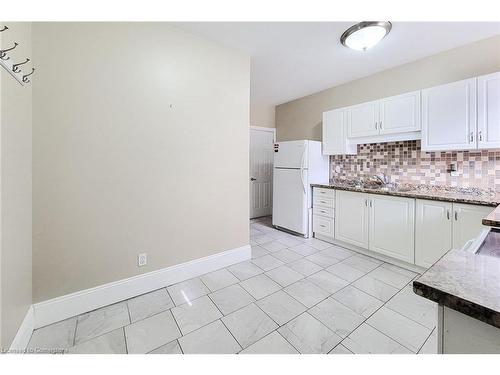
(262, 115)
(15, 188)
(301, 118)
(140, 144)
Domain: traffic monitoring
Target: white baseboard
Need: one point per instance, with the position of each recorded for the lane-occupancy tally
(24, 332)
(60, 308)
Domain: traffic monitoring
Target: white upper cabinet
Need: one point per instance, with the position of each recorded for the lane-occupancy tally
(335, 133)
(363, 119)
(400, 114)
(488, 108)
(449, 116)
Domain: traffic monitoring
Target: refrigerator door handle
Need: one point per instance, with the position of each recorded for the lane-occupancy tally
(302, 171)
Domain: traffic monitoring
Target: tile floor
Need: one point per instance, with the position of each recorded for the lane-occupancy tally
(294, 296)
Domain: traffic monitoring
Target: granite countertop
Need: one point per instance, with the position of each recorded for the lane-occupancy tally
(465, 282)
(439, 193)
(493, 219)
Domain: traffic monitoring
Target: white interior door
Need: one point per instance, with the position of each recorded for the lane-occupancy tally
(261, 172)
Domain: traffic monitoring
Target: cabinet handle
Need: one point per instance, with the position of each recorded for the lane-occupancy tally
(376, 125)
(448, 214)
(323, 226)
(380, 124)
(480, 135)
(371, 203)
(366, 202)
(472, 136)
(456, 216)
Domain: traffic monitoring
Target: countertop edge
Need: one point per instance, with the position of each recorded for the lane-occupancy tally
(410, 195)
(456, 303)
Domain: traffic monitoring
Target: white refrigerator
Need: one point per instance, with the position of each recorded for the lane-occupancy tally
(297, 164)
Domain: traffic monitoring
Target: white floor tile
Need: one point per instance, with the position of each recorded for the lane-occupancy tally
(273, 343)
(362, 262)
(336, 316)
(101, 321)
(196, 314)
(57, 336)
(304, 250)
(358, 301)
(431, 345)
(260, 240)
(218, 279)
(273, 246)
(211, 339)
(109, 343)
(400, 270)
(375, 288)
(306, 292)
(149, 304)
(340, 349)
(230, 299)
(417, 308)
(400, 328)
(267, 262)
(258, 251)
(304, 266)
(284, 275)
(328, 281)
(318, 244)
(290, 241)
(187, 291)
(390, 277)
(308, 335)
(249, 325)
(244, 270)
(345, 271)
(151, 333)
(281, 307)
(322, 260)
(287, 256)
(367, 340)
(338, 252)
(260, 286)
(170, 348)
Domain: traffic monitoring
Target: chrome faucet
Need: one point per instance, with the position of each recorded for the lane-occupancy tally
(382, 177)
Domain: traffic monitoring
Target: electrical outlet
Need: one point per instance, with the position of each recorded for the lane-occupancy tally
(142, 259)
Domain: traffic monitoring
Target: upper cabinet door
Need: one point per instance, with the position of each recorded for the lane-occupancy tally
(488, 107)
(399, 114)
(335, 133)
(449, 116)
(363, 119)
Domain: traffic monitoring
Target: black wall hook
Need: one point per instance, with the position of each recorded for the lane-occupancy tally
(3, 53)
(15, 67)
(25, 77)
(4, 28)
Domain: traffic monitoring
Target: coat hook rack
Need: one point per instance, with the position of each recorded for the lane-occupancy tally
(25, 77)
(15, 67)
(3, 52)
(4, 28)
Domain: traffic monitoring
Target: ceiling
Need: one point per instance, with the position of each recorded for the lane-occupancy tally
(293, 59)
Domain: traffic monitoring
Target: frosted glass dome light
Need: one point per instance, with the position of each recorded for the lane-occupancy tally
(365, 35)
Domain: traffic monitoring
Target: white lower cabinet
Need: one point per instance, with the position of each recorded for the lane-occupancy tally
(433, 231)
(392, 224)
(467, 222)
(351, 218)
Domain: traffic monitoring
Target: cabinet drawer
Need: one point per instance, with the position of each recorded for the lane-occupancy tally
(323, 211)
(323, 225)
(325, 193)
(322, 202)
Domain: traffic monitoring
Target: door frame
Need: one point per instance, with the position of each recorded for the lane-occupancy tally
(265, 129)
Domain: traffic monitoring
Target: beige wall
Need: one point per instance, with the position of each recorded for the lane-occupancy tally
(15, 232)
(262, 115)
(140, 138)
(301, 118)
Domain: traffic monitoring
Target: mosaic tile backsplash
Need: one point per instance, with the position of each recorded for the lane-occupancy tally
(405, 162)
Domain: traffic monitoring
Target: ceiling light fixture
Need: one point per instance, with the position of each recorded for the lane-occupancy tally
(365, 35)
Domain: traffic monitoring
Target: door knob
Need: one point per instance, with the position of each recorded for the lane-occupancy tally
(253, 179)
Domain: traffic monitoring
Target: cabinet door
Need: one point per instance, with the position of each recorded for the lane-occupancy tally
(449, 116)
(392, 223)
(351, 218)
(433, 231)
(363, 119)
(488, 107)
(399, 114)
(467, 222)
(335, 133)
